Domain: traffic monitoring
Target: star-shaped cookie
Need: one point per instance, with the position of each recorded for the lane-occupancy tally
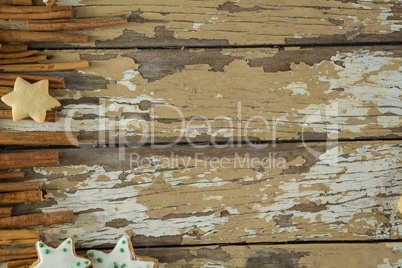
(63, 256)
(30, 100)
(122, 256)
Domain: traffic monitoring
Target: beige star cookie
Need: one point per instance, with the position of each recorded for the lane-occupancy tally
(30, 100)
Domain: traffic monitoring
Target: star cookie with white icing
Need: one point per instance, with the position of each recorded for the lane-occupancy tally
(30, 100)
(122, 256)
(63, 256)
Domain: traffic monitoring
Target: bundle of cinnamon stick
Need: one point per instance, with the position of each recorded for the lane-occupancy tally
(12, 55)
(42, 20)
(46, 19)
(35, 12)
(23, 192)
(17, 58)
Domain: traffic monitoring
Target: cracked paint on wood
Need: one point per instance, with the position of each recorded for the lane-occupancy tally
(153, 23)
(182, 196)
(208, 95)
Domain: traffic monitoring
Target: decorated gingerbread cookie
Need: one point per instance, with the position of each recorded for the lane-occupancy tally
(122, 256)
(63, 256)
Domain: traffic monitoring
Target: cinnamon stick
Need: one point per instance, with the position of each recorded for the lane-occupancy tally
(8, 79)
(32, 9)
(19, 186)
(5, 90)
(19, 242)
(21, 263)
(21, 2)
(21, 54)
(38, 138)
(17, 251)
(8, 254)
(75, 24)
(17, 2)
(37, 16)
(12, 175)
(13, 48)
(42, 37)
(33, 78)
(5, 212)
(18, 234)
(51, 116)
(5, 82)
(37, 219)
(29, 159)
(21, 197)
(18, 237)
(18, 257)
(24, 60)
(45, 67)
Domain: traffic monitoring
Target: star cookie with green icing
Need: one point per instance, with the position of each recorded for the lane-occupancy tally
(122, 256)
(63, 256)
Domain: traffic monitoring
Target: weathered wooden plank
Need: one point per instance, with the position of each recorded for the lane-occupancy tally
(187, 196)
(223, 95)
(153, 23)
(257, 256)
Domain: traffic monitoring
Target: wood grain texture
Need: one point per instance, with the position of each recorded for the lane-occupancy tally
(184, 196)
(153, 23)
(222, 95)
